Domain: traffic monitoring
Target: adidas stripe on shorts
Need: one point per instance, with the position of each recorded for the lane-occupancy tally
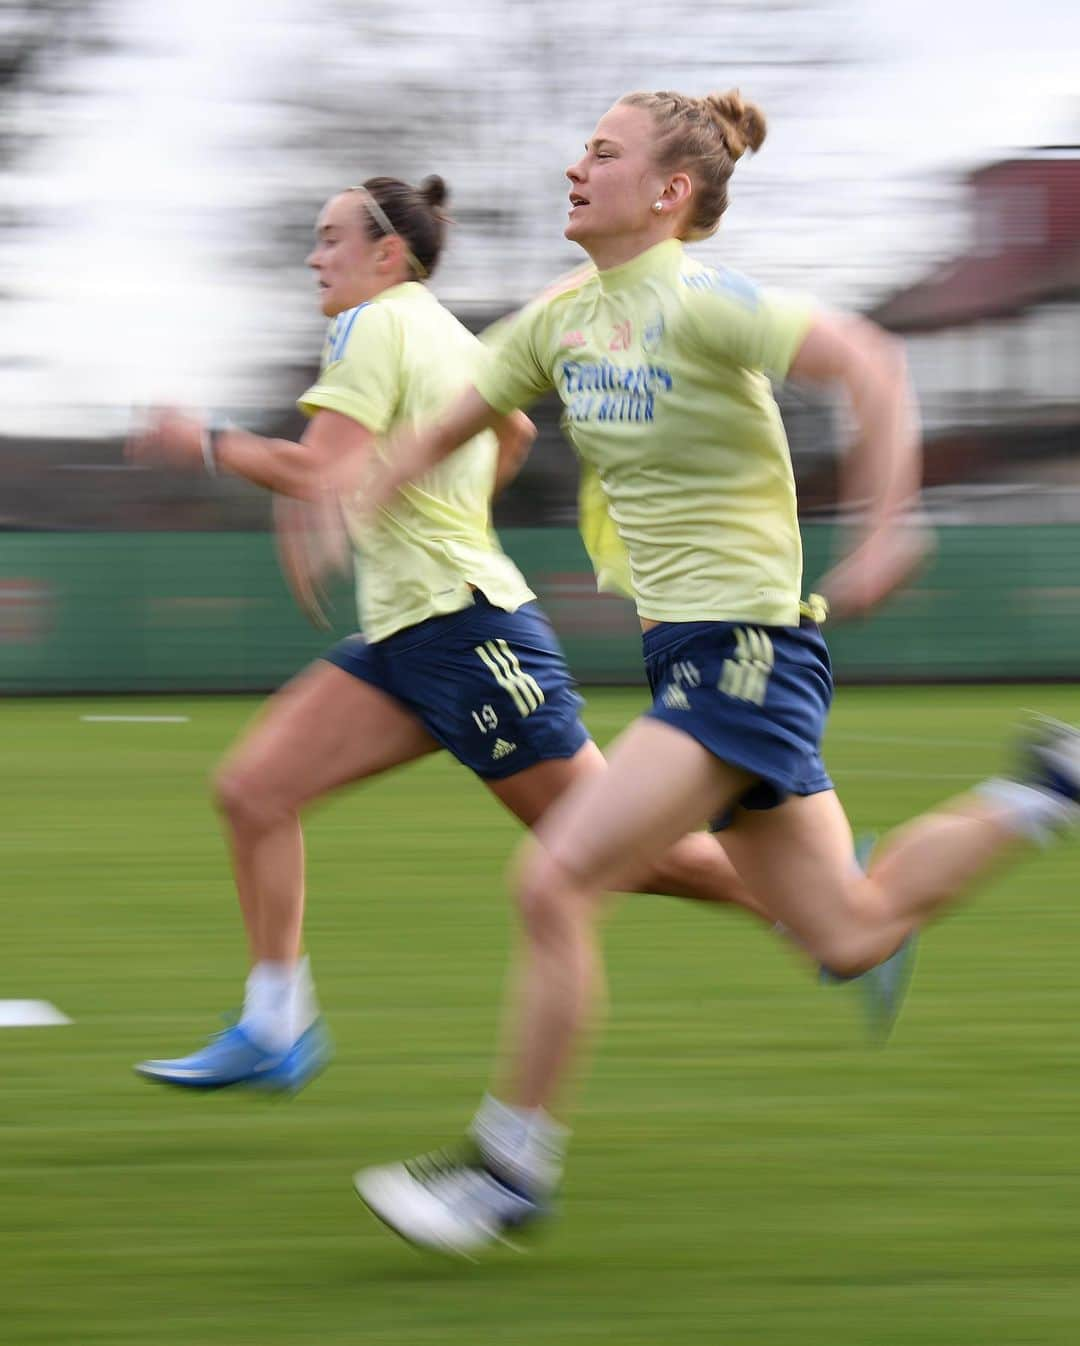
(756, 697)
(491, 686)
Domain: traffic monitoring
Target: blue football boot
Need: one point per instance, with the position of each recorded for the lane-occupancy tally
(309, 1056)
(883, 988)
(230, 1057)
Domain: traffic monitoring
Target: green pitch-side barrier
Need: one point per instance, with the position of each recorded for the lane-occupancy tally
(132, 612)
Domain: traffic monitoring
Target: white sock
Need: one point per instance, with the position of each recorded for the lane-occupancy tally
(279, 1003)
(1033, 813)
(305, 1004)
(524, 1145)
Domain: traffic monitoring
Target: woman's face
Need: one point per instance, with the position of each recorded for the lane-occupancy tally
(349, 266)
(615, 182)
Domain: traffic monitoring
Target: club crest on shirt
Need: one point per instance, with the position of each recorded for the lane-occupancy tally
(653, 333)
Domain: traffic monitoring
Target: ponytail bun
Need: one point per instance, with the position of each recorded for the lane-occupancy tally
(742, 125)
(434, 191)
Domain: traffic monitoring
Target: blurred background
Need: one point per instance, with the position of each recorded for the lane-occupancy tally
(742, 1173)
(161, 168)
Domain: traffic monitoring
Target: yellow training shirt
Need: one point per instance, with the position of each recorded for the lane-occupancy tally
(662, 366)
(403, 359)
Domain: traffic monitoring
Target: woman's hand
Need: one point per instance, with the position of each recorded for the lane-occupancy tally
(882, 562)
(168, 438)
(312, 546)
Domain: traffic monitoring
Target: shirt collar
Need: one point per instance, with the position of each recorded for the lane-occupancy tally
(628, 273)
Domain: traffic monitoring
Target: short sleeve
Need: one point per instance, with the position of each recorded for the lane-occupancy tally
(362, 369)
(514, 372)
(734, 320)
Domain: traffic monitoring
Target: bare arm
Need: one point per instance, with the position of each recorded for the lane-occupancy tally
(881, 477)
(310, 532)
(883, 473)
(303, 470)
(516, 434)
(298, 469)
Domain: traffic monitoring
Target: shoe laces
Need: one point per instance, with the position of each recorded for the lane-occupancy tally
(440, 1165)
(457, 1176)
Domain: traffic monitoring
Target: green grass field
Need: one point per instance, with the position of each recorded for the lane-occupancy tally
(744, 1170)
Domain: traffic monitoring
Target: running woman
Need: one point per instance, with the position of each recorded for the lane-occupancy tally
(454, 652)
(663, 366)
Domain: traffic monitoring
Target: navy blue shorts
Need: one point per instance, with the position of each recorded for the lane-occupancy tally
(754, 696)
(491, 686)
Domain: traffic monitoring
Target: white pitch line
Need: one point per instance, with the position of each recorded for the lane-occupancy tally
(136, 719)
(30, 1014)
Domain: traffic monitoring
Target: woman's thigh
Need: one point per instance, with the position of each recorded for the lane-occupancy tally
(659, 784)
(529, 794)
(323, 730)
(799, 859)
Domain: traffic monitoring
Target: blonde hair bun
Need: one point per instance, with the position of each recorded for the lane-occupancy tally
(742, 125)
(703, 137)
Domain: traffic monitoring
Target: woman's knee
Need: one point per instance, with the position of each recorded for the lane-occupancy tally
(244, 798)
(846, 956)
(547, 900)
(852, 943)
(227, 791)
(695, 867)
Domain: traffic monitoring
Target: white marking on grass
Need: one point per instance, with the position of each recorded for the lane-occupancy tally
(136, 719)
(30, 1014)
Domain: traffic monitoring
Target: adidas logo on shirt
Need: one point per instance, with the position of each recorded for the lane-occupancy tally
(502, 749)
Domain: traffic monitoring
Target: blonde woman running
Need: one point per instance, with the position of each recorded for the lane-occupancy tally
(661, 363)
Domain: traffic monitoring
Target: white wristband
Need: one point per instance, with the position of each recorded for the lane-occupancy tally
(213, 427)
(209, 448)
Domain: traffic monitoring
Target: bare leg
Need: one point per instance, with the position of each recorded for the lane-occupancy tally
(327, 729)
(694, 867)
(322, 731)
(799, 856)
(935, 860)
(604, 827)
(697, 867)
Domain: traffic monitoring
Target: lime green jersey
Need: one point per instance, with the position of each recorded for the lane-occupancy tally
(663, 368)
(402, 359)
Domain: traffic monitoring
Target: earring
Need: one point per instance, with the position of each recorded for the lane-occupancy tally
(658, 207)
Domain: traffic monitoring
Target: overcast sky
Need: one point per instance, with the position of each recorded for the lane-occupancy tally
(125, 294)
